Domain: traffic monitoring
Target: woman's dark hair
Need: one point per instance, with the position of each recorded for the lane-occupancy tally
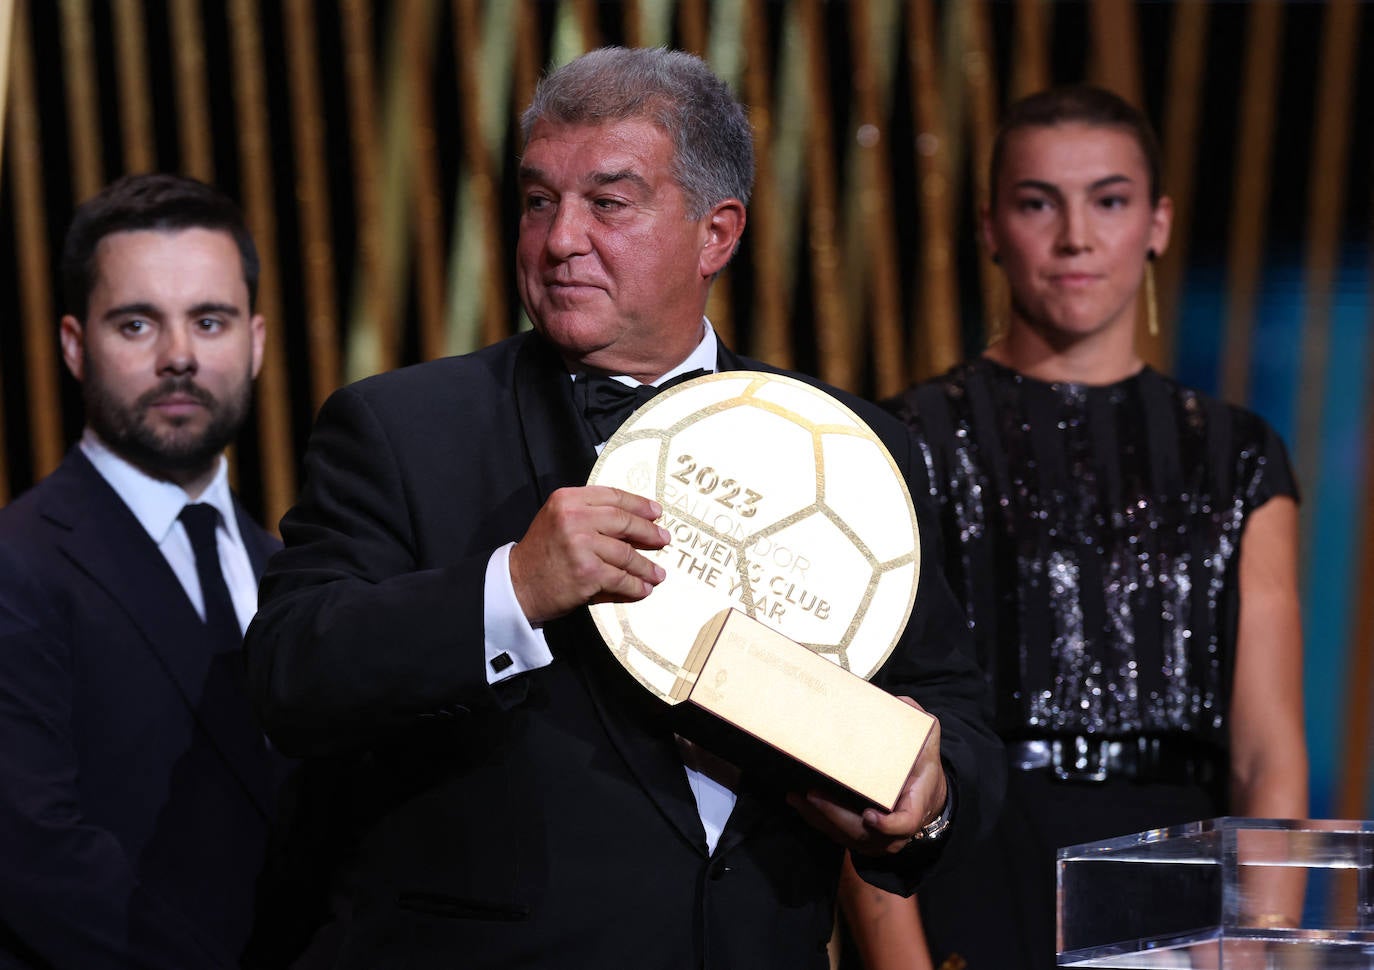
(1077, 104)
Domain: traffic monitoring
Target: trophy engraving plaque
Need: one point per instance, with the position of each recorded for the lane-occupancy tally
(793, 700)
(782, 504)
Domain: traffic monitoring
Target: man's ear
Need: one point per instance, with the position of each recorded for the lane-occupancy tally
(257, 332)
(73, 338)
(722, 227)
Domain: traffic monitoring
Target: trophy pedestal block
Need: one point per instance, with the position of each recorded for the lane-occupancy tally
(797, 703)
(1271, 894)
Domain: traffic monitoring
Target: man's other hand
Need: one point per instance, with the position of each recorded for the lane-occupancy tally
(874, 832)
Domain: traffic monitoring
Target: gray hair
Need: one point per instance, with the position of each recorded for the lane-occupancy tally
(713, 146)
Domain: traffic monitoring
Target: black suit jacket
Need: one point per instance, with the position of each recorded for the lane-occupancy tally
(546, 820)
(135, 791)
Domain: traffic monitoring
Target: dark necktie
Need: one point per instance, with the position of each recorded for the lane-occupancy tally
(200, 521)
(223, 702)
(606, 402)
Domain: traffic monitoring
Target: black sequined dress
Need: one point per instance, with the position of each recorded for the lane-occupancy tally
(1092, 533)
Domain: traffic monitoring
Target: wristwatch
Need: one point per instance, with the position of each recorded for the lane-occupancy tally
(939, 825)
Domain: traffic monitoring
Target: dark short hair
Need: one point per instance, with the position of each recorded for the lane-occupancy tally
(713, 145)
(151, 201)
(1081, 104)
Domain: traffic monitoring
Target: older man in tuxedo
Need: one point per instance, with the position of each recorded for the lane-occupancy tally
(135, 791)
(517, 799)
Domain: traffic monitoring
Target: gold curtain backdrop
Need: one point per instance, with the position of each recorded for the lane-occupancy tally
(372, 145)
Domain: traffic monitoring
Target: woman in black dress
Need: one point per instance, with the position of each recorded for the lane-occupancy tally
(1125, 548)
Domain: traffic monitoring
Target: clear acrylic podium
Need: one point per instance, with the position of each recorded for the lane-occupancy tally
(1221, 894)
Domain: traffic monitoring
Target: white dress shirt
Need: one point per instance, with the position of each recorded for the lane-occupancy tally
(157, 505)
(524, 648)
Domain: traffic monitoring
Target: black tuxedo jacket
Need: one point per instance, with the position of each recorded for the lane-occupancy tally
(545, 821)
(134, 788)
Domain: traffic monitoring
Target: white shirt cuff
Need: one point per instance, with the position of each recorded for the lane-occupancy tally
(512, 645)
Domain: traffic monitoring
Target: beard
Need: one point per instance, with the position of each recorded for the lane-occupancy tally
(171, 452)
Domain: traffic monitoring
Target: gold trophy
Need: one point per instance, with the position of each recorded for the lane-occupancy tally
(791, 572)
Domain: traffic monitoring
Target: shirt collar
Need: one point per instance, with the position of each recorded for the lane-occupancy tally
(155, 503)
(702, 358)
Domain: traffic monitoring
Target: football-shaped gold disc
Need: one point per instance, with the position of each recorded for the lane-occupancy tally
(781, 503)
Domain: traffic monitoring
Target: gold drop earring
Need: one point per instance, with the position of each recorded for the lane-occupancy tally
(1151, 305)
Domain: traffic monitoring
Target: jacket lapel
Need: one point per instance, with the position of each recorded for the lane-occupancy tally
(752, 806)
(561, 453)
(638, 724)
(727, 359)
(258, 541)
(558, 444)
(104, 540)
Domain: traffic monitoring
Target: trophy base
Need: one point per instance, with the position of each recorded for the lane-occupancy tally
(825, 719)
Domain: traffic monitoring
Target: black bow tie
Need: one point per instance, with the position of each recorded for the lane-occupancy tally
(606, 402)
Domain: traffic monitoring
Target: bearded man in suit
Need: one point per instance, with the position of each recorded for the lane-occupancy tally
(516, 798)
(135, 791)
